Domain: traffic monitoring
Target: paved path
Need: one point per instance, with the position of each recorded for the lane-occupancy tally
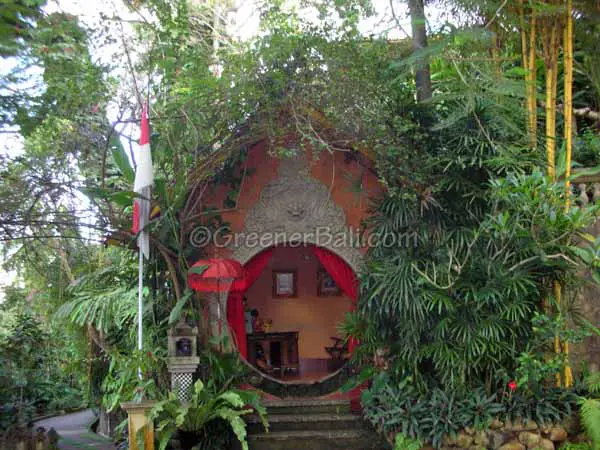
(75, 433)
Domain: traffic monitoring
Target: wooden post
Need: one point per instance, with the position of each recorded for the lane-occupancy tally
(138, 420)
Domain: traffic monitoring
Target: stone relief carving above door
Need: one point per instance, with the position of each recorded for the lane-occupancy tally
(296, 207)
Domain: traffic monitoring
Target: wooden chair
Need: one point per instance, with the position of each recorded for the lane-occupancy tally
(337, 354)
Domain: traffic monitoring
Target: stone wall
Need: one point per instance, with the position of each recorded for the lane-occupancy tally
(30, 439)
(518, 435)
(588, 302)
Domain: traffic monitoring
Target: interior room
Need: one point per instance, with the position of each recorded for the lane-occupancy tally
(293, 310)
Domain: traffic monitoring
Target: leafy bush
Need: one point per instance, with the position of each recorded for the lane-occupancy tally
(122, 382)
(457, 307)
(32, 376)
(573, 446)
(398, 408)
(404, 443)
(586, 150)
(547, 406)
(590, 411)
(224, 369)
(479, 409)
(199, 423)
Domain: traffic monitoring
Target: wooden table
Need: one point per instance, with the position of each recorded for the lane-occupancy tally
(281, 349)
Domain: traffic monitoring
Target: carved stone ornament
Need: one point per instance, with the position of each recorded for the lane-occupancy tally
(178, 335)
(296, 208)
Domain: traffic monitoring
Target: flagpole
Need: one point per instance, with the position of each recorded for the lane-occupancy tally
(140, 305)
(141, 214)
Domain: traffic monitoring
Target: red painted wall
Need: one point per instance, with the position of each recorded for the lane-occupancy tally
(333, 170)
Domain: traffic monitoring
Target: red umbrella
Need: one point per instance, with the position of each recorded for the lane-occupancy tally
(219, 275)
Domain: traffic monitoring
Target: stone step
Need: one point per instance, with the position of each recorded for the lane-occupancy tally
(299, 422)
(307, 406)
(315, 440)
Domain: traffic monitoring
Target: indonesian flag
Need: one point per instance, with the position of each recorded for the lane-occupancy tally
(143, 186)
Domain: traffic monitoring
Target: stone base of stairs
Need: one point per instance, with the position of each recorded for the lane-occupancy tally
(308, 424)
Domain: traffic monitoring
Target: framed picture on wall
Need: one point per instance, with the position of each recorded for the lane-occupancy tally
(326, 286)
(285, 283)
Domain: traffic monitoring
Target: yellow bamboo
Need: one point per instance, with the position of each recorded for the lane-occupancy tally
(568, 100)
(555, 51)
(568, 111)
(550, 132)
(551, 85)
(551, 43)
(557, 349)
(529, 65)
(533, 79)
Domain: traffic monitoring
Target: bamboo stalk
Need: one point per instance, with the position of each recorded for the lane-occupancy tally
(551, 44)
(529, 65)
(557, 347)
(568, 98)
(555, 52)
(551, 57)
(568, 111)
(550, 132)
(533, 78)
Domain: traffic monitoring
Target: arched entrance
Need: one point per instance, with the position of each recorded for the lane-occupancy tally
(295, 208)
(300, 292)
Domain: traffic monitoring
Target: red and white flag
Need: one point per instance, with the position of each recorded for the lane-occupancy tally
(142, 186)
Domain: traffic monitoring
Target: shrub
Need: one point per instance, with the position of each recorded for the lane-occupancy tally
(399, 408)
(32, 376)
(210, 413)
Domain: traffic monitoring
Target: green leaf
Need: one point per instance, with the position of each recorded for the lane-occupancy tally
(237, 423)
(198, 387)
(364, 375)
(121, 159)
(197, 270)
(176, 311)
(232, 398)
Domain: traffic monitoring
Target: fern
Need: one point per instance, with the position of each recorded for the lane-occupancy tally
(208, 405)
(405, 443)
(593, 382)
(590, 419)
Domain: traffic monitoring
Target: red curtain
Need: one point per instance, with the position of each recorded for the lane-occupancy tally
(343, 275)
(345, 278)
(235, 302)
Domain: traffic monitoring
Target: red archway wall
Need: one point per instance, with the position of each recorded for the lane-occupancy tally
(336, 170)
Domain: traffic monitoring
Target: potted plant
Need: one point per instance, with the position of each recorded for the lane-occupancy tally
(210, 409)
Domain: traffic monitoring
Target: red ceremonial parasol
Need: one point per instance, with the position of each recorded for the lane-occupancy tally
(219, 275)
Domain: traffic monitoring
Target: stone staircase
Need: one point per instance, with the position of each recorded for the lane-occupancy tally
(310, 424)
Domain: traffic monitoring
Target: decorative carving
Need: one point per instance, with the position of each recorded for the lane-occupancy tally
(183, 360)
(182, 332)
(583, 196)
(296, 208)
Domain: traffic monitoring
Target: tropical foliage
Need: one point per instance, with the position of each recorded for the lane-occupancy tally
(590, 411)
(35, 376)
(399, 409)
(204, 421)
(465, 150)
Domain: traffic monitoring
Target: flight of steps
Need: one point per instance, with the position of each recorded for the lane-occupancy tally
(308, 424)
